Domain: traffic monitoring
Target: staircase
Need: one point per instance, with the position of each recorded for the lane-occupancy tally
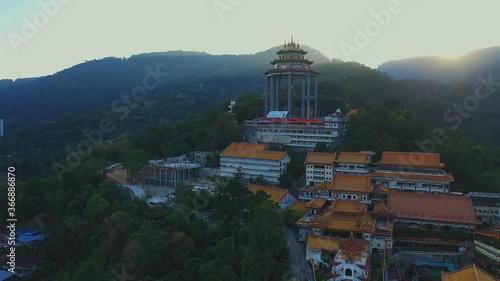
(339, 270)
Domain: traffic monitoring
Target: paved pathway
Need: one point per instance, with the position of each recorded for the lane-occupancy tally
(296, 257)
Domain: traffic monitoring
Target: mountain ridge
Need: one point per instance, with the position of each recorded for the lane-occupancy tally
(442, 68)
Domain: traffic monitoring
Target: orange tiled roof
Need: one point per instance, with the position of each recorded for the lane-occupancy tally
(445, 177)
(277, 194)
(322, 158)
(383, 188)
(432, 207)
(415, 159)
(381, 209)
(322, 243)
(469, 273)
(331, 220)
(353, 157)
(255, 154)
(247, 146)
(343, 225)
(298, 206)
(349, 183)
(347, 206)
(316, 203)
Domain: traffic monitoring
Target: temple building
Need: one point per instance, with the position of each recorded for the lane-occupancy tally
(428, 211)
(343, 186)
(290, 69)
(290, 115)
(337, 220)
(384, 226)
(319, 167)
(486, 206)
(354, 162)
(411, 171)
(352, 261)
(251, 161)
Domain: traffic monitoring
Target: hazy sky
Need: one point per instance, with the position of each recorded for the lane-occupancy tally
(37, 41)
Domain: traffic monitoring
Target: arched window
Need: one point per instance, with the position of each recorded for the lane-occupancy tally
(348, 272)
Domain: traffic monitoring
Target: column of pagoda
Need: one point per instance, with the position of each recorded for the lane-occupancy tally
(290, 67)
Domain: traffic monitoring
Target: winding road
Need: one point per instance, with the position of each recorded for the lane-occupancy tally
(296, 256)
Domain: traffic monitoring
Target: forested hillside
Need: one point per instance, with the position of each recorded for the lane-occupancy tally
(98, 83)
(159, 116)
(96, 232)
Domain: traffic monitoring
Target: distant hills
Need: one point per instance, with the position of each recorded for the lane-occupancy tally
(194, 81)
(97, 83)
(464, 67)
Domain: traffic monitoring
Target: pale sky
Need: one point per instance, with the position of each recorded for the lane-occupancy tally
(78, 30)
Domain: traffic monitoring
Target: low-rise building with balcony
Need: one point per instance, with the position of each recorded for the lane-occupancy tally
(353, 162)
(486, 206)
(319, 167)
(251, 161)
(411, 171)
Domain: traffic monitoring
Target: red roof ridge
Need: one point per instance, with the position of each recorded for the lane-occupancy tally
(351, 245)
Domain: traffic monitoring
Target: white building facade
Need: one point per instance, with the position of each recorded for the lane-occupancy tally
(319, 167)
(251, 162)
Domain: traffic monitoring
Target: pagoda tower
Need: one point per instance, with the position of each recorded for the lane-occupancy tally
(351, 261)
(291, 67)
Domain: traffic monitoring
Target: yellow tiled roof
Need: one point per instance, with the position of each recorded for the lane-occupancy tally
(469, 273)
(255, 154)
(322, 243)
(344, 225)
(277, 194)
(298, 206)
(316, 203)
(349, 183)
(353, 157)
(247, 146)
(347, 206)
(321, 158)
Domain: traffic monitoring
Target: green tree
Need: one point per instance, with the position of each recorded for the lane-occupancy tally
(97, 209)
(321, 147)
(248, 107)
(260, 180)
(135, 161)
(211, 271)
(184, 194)
(265, 244)
(230, 207)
